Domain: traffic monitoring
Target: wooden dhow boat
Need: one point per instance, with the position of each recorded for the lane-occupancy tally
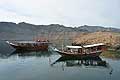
(92, 50)
(30, 45)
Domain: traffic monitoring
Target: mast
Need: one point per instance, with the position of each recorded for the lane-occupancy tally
(63, 41)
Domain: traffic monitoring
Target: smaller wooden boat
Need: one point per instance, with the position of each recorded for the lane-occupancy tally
(83, 51)
(29, 45)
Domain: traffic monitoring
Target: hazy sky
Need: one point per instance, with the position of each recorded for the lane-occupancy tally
(66, 12)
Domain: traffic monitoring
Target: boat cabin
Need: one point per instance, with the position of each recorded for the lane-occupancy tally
(86, 49)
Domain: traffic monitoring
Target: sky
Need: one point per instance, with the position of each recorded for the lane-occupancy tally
(72, 13)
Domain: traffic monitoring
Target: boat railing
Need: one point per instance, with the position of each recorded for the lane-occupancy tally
(76, 52)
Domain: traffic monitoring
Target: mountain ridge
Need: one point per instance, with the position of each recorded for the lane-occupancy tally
(22, 30)
(84, 28)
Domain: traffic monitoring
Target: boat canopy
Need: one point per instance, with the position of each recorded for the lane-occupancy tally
(86, 46)
(93, 45)
(30, 42)
(74, 47)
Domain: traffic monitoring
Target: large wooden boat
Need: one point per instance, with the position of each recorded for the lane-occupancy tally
(83, 51)
(29, 45)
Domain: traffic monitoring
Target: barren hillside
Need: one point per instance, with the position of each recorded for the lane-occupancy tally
(109, 38)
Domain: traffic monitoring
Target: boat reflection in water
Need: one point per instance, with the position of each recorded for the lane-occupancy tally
(26, 54)
(89, 62)
(33, 53)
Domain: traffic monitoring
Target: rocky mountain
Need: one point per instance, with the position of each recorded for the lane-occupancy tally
(29, 28)
(98, 28)
(10, 30)
(109, 38)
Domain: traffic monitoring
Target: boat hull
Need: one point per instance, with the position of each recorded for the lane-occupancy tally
(95, 54)
(29, 46)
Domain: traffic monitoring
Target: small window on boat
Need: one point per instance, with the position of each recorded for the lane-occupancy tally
(68, 48)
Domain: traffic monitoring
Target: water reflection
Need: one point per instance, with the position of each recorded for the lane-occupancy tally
(80, 62)
(87, 62)
(26, 54)
(33, 53)
(4, 56)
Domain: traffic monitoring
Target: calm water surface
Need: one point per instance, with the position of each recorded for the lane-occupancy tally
(51, 66)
